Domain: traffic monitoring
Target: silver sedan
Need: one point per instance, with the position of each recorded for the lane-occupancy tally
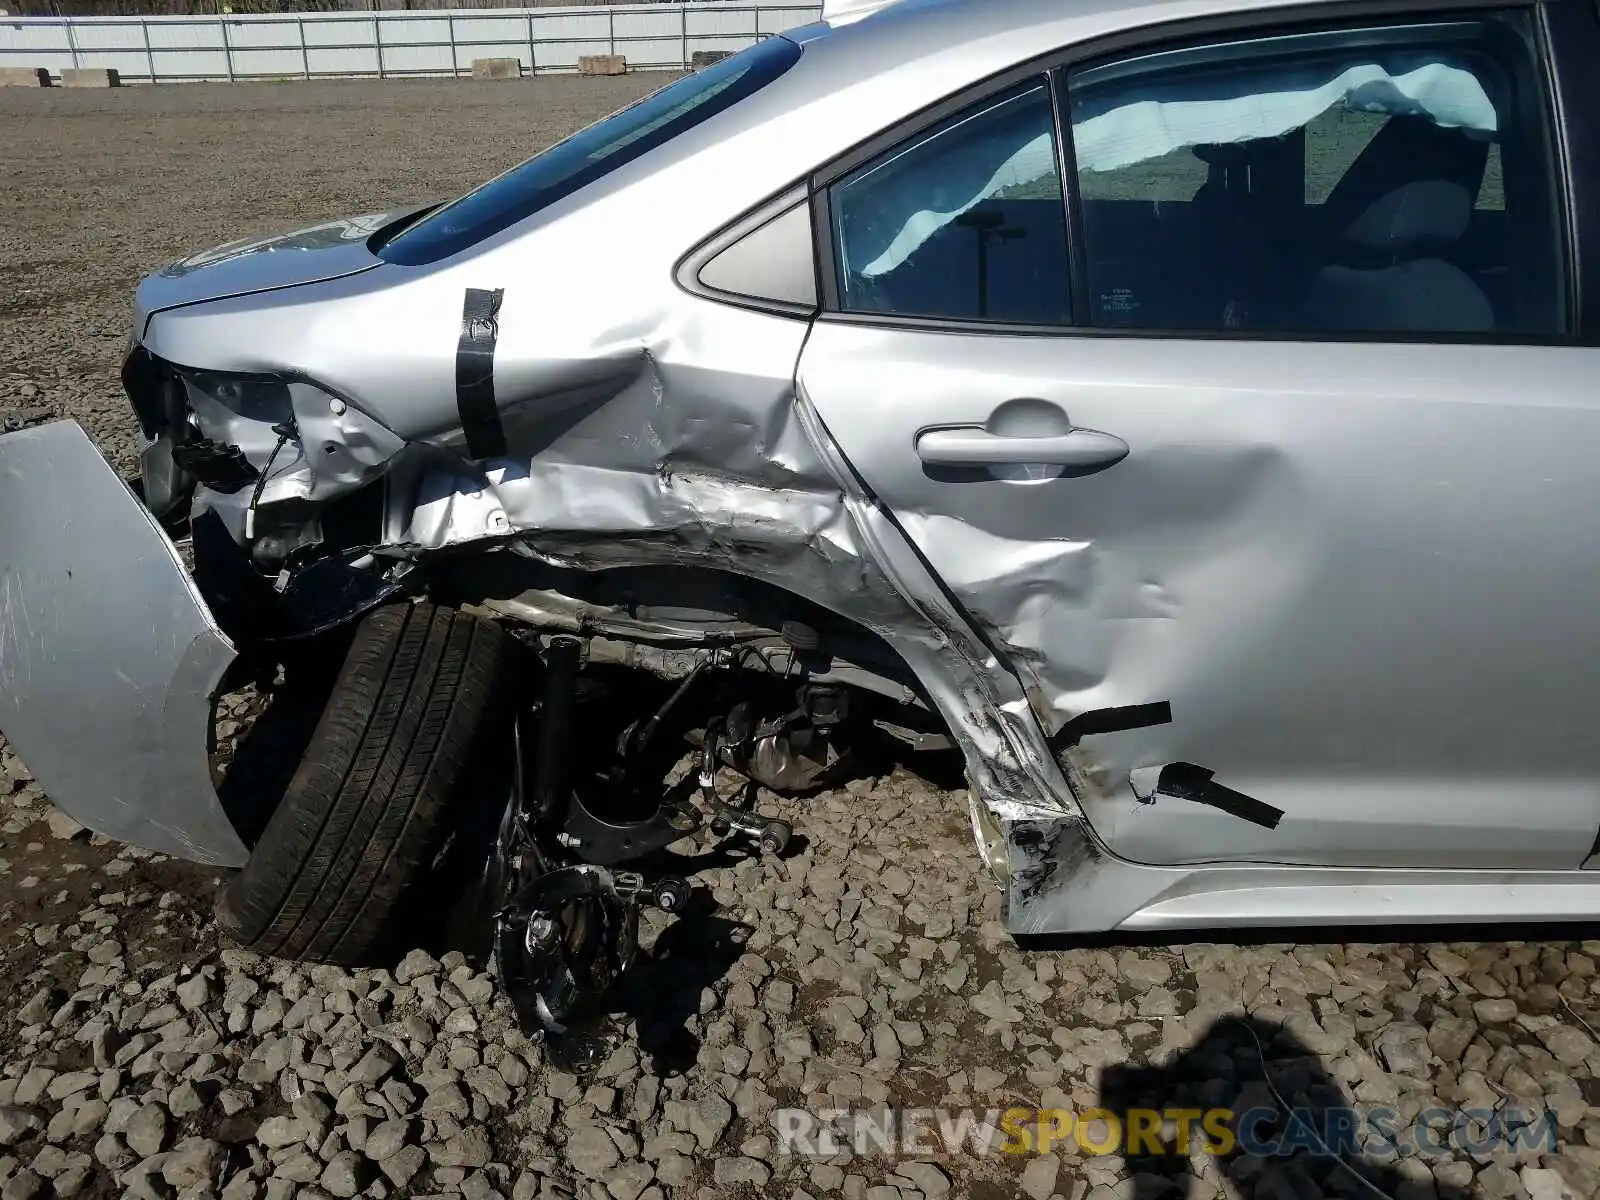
(1184, 412)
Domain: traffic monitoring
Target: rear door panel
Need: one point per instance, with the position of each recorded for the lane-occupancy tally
(1366, 577)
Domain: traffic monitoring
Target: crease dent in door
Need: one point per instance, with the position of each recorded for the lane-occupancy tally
(1127, 581)
(650, 451)
(1089, 628)
(1115, 637)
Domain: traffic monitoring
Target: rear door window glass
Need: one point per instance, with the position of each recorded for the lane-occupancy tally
(591, 153)
(1391, 178)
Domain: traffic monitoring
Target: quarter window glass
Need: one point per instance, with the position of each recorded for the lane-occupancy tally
(1394, 178)
(964, 222)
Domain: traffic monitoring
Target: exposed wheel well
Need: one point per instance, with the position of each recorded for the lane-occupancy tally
(662, 618)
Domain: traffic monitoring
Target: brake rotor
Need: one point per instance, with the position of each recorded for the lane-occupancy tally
(560, 943)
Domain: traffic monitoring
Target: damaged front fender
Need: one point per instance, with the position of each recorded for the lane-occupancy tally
(108, 656)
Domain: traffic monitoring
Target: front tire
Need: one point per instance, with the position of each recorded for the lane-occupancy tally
(406, 746)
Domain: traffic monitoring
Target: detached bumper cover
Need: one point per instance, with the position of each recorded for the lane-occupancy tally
(108, 656)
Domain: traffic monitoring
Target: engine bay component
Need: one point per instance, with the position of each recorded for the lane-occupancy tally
(799, 751)
(584, 840)
(566, 917)
(221, 468)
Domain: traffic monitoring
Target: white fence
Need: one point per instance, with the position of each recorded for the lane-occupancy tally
(384, 44)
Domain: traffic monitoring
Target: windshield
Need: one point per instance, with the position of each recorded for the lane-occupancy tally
(591, 153)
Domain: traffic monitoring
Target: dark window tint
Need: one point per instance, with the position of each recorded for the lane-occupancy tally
(962, 222)
(1392, 178)
(591, 153)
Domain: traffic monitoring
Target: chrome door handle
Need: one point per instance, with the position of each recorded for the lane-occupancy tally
(977, 447)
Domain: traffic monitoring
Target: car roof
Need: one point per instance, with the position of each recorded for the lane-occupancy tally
(1041, 25)
(861, 75)
(877, 61)
(874, 61)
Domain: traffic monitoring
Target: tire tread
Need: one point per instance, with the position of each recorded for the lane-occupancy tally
(387, 773)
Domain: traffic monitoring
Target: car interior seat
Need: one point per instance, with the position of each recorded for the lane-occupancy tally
(1392, 220)
(1247, 216)
(1417, 290)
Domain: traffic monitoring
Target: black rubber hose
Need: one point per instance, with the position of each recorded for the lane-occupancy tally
(646, 733)
(285, 430)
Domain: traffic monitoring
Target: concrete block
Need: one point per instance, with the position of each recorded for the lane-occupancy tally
(602, 64)
(90, 77)
(497, 68)
(704, 58)
(24, 77)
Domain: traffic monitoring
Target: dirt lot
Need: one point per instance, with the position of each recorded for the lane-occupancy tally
(98, 187)
(139, 1057)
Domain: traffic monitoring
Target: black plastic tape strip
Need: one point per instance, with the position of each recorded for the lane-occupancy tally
(480, 330)
(1185, 781)
(1111, 720)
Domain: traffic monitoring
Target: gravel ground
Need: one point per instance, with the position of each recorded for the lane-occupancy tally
(139, 1057)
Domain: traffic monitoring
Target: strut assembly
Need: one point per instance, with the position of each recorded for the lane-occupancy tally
(566, 919)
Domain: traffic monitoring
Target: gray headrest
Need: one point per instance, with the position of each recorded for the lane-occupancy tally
(1428, 212)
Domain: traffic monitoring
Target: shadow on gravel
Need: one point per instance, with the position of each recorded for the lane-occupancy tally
(1273, 1154)
(661, 993)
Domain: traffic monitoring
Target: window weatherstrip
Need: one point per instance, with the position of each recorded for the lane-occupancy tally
(1570, 87)
(1071, 208)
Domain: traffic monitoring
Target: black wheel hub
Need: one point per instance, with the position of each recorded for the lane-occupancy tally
(561, 941)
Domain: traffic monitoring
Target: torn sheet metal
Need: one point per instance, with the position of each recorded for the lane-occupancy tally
(675, 438)
(108, 656)
(659, 460)
(1249, 569)
(1254, 564)
(330, 446)
(665, 433)
(672, 437)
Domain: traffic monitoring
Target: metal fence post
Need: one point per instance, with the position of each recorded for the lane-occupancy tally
(227, 47)
(533, 63)
(72, 43)
(450, 25)
(611, 28)
(683, 16)
(149, 54)
(305, 51)
(377, 37)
